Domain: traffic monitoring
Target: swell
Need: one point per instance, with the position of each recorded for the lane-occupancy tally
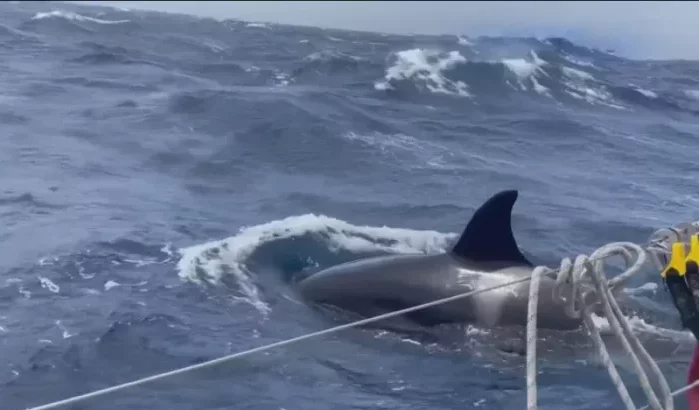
(483, 69)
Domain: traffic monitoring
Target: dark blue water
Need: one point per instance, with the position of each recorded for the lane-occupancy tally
(164, 178)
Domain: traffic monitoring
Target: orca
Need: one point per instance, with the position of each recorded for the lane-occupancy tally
(486, 254)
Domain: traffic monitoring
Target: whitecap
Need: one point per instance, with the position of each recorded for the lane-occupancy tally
(67, 15)
(426, 68)
(46, 283)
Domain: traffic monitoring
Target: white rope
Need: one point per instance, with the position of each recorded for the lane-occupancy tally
(585, 280)
(679, 391)
(592, 267)
(239, 355)
(532, 308)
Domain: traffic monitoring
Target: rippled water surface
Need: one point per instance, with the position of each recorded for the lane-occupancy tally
(165, 178)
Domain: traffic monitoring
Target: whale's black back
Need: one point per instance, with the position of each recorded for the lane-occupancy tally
(488, 237)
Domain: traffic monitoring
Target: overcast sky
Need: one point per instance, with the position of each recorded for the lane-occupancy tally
(639, 29)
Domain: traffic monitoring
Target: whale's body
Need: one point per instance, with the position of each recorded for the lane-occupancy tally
(486, 254)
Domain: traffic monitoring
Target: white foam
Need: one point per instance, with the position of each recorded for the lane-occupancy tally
(110, 284)
(521, 67)
(592, 96)
(639, 325)
(386, 141)
(67, 15)
(216, 48)
(426, 68)
(647, 93)
(463, 41)
(64, 330)
(257, 25)
(48, 261)
(575, 73)
(46, 283)
(167, 249)
(583, 86)
(425, 154)
(693, 94)
(527, 72)
(475, 331)
(327, 55)
(537, 60)
(282, 79)
(577, 61)
(27, 294)
(142, 262)
(576, 83)
(207, 262)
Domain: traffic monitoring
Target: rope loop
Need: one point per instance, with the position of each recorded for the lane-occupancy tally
(583, 287)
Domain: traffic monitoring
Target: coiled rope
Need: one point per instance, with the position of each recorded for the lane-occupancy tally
(587, 286)
(592, 267)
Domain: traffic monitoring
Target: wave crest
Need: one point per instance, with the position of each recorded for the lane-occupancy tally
(451, 73)
(70, 16)
(212, 261)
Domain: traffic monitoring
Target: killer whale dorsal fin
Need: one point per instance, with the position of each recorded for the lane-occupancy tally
(488, 236)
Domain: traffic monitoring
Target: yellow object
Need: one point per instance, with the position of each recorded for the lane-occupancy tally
(693, 249)
(677, 261)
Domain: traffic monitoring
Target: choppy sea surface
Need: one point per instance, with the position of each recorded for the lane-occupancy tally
(164, 179)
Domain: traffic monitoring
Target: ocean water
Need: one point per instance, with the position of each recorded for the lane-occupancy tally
(165, 178)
